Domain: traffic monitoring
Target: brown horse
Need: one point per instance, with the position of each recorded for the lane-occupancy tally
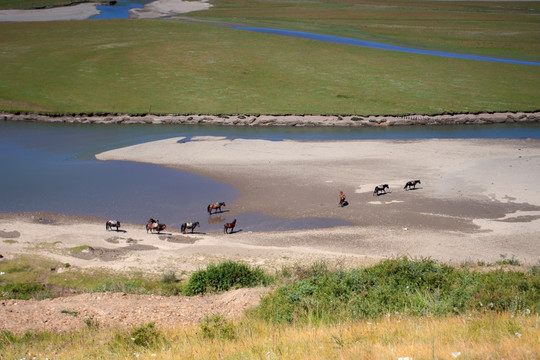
(228, 226)
(112, 223)
(155, 226)
(215, 207)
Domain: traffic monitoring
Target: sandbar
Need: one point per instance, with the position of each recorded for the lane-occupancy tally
(74, 12)
(478, 201)
(152, 10)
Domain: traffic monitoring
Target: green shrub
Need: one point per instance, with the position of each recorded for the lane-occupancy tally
(197, 283)
(217, 327)
(224, 276)
(23, 291)
(146, 335)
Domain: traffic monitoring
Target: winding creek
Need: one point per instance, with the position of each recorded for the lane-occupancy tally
(121, 10)
(51, 167)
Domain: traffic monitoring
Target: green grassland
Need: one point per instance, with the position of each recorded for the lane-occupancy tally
(174, 66)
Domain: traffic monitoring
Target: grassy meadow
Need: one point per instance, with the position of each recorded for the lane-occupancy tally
(174, 66)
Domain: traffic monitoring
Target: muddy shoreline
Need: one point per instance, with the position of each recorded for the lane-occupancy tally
(281, 119)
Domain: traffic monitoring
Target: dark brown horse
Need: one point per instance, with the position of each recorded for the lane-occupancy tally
(380, 189)
(228, 226)
(215, 207)
(189, 226)
(411, 185)
(112, 223)
(155, 226)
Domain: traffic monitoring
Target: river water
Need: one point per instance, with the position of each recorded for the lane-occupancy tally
(51, 167)
(120, 10)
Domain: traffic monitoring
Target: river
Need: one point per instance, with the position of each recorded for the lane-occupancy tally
(51, 167)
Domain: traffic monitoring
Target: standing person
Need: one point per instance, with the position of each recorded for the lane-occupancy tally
(341, 199)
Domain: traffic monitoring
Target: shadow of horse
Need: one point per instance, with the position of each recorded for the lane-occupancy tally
(216, 219)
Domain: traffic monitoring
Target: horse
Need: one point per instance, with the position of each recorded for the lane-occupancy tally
(216, 207)
(189, 225)
(155, 226)
(228, 226)
(112, 223)
(411, 184)
(380, 188)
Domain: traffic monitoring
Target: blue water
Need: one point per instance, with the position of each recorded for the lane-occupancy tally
(51, 167)
(118, 11)
(381, 46)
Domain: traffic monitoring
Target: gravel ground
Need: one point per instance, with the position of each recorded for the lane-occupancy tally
(121, 310)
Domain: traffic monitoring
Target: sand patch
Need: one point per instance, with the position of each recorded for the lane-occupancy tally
(9, 234)
(73, 12)
(104, 254)
(165, 8)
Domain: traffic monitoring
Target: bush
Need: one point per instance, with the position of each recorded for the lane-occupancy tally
(146, 335)
(398, 286)
(216, 327)
(223, 277)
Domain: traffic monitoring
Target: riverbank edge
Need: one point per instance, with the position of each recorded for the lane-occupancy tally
(291, 120)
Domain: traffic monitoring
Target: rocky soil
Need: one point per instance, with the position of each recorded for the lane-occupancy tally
(70, 313)
(281, 120)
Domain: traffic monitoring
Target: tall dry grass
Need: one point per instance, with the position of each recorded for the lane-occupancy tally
(475, 336)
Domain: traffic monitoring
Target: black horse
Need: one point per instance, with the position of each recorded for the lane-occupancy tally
(411, 184)
(189, 226)
(112, 223)
(380, 189)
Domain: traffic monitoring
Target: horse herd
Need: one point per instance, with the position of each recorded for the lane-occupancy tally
(381, 189)
(154, 224)
(228, 228)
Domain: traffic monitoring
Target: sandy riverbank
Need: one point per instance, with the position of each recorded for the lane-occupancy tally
(74, 12)
(282, 119)
(479, 200)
